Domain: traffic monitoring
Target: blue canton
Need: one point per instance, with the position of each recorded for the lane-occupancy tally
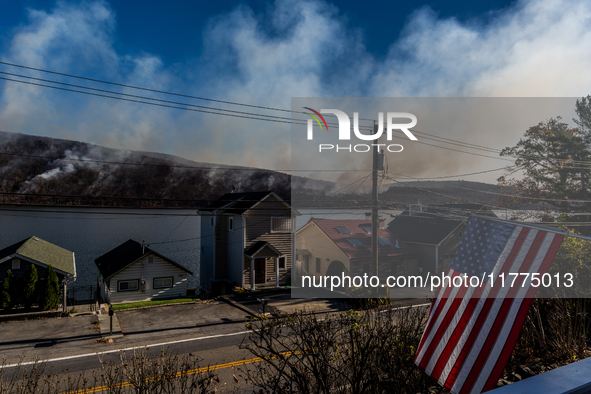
(481, 246)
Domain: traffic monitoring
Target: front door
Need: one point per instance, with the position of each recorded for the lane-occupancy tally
(259, 268)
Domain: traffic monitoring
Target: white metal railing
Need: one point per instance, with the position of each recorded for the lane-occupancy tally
(573, 378)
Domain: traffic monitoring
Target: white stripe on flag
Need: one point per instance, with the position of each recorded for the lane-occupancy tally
(466, 333)
(466, 368)
(508, 324)
(460, 312)
(441, 316)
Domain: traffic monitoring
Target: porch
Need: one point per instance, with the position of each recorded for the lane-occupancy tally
(262, 266)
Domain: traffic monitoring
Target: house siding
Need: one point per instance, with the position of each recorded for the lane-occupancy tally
(159, 268)
(315, 241)
(206, 271)
(258, 228)
(235, 249)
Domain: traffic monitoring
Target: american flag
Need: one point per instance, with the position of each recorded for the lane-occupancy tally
(472, 330)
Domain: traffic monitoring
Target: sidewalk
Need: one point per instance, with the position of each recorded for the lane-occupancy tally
(105, 326)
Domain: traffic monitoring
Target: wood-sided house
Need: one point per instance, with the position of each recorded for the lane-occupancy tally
(133, 272)
(246, 241)
(34, 251)
(333, 246)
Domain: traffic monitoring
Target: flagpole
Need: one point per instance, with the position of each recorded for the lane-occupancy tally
(534, 226)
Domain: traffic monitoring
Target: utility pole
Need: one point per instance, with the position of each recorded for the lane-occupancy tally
(374, 207)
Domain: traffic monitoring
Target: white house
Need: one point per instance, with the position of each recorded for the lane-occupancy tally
(132, 272)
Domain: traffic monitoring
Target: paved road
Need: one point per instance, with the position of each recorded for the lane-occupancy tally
(62, 337)
(211, 332)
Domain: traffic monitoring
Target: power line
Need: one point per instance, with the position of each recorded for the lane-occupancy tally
(157, 91)
(241, 114)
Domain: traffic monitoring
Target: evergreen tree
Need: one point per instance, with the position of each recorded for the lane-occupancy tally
(50, 298)
(30, 286)
(5, 299)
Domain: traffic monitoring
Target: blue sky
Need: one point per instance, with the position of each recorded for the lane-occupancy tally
(264, 53)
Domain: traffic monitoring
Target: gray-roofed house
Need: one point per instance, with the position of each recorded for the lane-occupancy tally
(434, 233)
(133, 272)
(246, 241)
(34, 251)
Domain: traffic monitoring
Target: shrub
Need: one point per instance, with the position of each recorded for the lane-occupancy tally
(369, 351)
(30, 286)
(50, 298)
(5, 299)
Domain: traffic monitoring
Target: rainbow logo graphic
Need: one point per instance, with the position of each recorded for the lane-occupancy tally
(315, 118)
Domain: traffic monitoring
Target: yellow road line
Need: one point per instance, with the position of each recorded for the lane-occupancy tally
(179, 374)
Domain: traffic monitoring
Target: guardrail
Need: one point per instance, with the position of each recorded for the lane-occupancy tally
(573, 378)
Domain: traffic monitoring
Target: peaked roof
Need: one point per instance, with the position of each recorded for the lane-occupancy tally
(256, 247)
(426, 228)
(238, 203)
(36, 249)
(355, 227)
(124, 255)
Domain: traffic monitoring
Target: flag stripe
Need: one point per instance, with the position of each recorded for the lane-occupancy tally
(443, 293)
(515, 308)
(456, 371)
(503, 257)
(512, 339)
(471, 331)
(445, 322)
(444, 305)
(495, 320)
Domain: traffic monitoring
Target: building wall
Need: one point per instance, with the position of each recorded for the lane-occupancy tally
(149, 271)
(320, 246)
(235, 251)
(24, 266)
(206, 256)
(258, 228)
(427, 253)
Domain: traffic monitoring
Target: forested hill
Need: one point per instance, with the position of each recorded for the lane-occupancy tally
(48, 171)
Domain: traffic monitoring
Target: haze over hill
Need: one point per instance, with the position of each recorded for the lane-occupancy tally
(50, 171)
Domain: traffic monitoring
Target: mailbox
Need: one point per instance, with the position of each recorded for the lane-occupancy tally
(111, 311)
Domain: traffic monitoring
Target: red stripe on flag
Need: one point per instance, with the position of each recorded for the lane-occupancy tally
(435, 313)
(517, 326)
(484, 312)
(458, 331)
(442, 327)
(477, 368)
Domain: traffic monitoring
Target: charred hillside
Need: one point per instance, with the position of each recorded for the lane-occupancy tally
(49, 171)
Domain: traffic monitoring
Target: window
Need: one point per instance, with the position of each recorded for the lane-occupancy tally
(150, 259)
(342, 230)
(355, 242)
(128, 285)
(281, 263)
(231, 224)
(384, 241)
(211, 221)
(366, 228)
(318, 263)
(16, 264)
(281, 225)
(160, 283)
